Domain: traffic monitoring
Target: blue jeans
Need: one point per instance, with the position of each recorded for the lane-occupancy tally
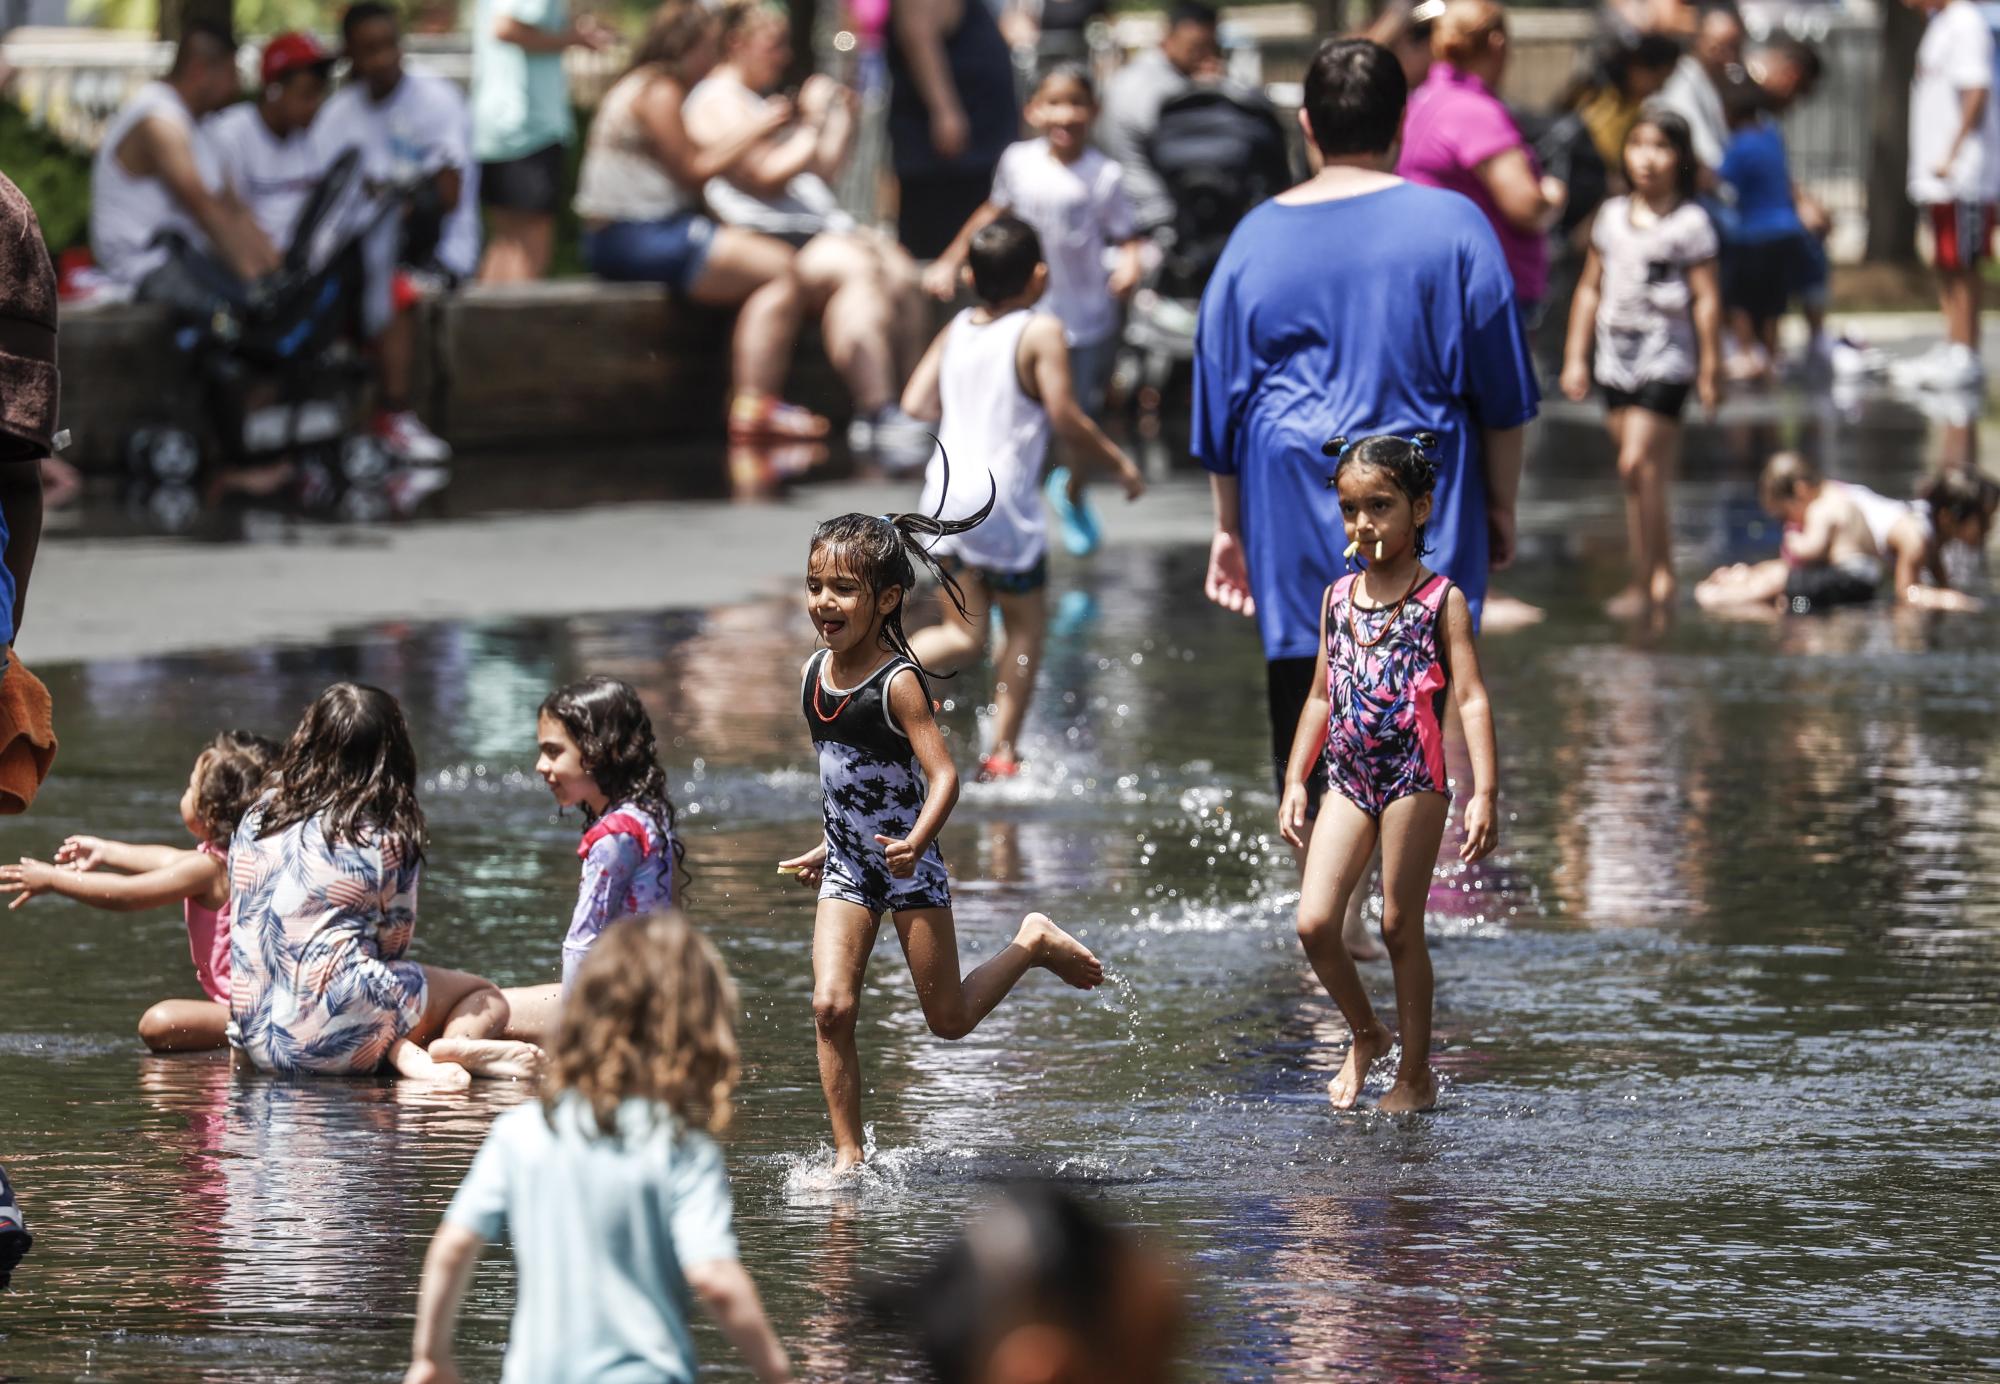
(671, 252)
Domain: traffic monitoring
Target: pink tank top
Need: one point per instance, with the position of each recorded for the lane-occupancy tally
(208, 936)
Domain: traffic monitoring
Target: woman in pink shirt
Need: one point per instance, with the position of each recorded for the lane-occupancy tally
(1458, 136)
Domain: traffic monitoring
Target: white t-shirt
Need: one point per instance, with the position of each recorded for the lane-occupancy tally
(127, 214)
(423, 127)
(1645, 321)
(273, 177)
(1077, 209)
(1956, 56)
(995, 439)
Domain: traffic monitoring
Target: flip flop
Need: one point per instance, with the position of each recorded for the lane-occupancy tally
(1078, 521)
(763, 418)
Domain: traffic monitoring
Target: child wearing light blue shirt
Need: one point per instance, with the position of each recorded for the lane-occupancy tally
(612, 1193)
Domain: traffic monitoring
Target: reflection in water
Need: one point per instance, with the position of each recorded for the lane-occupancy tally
(1715, 1027)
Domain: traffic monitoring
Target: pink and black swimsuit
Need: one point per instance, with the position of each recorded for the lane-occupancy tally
(1386, 682)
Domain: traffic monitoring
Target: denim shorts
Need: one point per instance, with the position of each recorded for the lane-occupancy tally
(670, 252)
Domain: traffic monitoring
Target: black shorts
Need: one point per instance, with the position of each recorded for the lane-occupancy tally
(1809, 590)
(1664, 397)
(1000, 583)
(1288, 683)
(531, 183)
(1757, 278)
(932, 206)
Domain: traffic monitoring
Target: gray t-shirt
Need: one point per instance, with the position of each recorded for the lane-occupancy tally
(1131, 113)
(1645, 323)
(603, 1228)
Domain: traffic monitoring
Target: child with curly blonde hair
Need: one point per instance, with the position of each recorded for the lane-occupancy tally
(611, 1188)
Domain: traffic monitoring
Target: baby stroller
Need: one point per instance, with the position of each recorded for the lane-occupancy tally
(1220, 150)
(273, 375)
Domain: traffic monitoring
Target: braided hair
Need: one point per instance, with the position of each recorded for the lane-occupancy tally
(1406, 461)
(885, 550)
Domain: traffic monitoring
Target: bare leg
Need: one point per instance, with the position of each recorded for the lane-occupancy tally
(1958, 296)
(754, 271)
(520, 247)
(395, 356)
(185, 1026)
(532, 1012)
(1744, 584)
(1645, 440)
(1026, 620)
(856, 321)
(1412, 828)
(1362, 944)
(843, 936)
(464, 1017)
(956, 640)
(953, 1006)
(1343, 840)
(1663, 443)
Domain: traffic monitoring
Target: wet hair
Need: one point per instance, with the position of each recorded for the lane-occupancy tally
(884, 550)
(365, 12)
(1073, 72)
(652, 1015)
(1193, 12)
(234, 767)
(1466, 30)
(1355, 92)
(1782, 476)
(614, 736)
(203, 42)
(1406, 461)
(351, 767)
(1038, 1256)
(673, 30)
(1002, 257)
(1961, 494)
(1673, 128)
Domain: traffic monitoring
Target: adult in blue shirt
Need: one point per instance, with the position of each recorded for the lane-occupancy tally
(1356, 303)
(28, 397)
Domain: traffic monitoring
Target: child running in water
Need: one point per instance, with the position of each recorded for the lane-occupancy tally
(1394, 640)
(610, 1187)
(1650, 305)
(595, 749)
(887, 784)
(1074, 197)
(323, 898)
(998, 376)
(228, 776)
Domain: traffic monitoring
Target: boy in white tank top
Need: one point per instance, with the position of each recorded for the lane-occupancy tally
(997, 379)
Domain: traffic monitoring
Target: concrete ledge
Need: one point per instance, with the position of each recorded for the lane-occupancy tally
(547, 364)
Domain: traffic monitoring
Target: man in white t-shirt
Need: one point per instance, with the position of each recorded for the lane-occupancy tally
(1955, 175)
(1694, 91)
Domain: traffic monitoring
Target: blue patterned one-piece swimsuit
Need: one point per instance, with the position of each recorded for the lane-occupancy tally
(870, 785)
(1385, 682)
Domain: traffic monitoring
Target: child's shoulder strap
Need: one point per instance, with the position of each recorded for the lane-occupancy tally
(1432, 594)
(620, 821)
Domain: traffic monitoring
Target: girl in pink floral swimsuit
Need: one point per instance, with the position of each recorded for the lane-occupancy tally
(1394, 639)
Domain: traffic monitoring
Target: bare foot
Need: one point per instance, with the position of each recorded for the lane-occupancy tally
(448, 1076)
(846, 1161)
(1361, 943)
(490, 1057)
(1629, 604)
(1345, 1088)
(1504, 613)
(1406, 1096)
(1055, 950)
(1666, 590)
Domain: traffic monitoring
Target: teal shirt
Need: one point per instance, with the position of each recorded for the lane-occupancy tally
(603, 1229)
(520, 100)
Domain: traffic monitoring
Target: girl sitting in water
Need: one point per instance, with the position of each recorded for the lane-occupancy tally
(227, 777)
(595, 749)
(887, 784)
(1393, 641)
(610, 1187)
(323, 897)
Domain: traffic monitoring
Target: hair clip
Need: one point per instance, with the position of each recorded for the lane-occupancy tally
(1423, 441)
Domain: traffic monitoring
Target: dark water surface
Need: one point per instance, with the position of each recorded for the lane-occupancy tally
(1716, 1026)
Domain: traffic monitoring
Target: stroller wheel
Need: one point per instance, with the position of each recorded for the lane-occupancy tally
(173, 508)
(164, 454)
(363, 507)
(363, 461)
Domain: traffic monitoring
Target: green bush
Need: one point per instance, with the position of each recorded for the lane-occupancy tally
(54, 177)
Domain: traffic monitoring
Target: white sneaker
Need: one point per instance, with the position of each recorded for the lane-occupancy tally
(409, 441)
(900, 442)
(1949, 368)
(1855, 360)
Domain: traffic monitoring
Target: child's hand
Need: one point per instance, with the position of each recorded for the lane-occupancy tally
(902, 856)
(1125, 276)
(809, 868)
(1708, 387)
(80, 853)
(1131, 477)
(1480, 838)
(1292, 815)
(30, 877)
(941, 280)
(1575, 381)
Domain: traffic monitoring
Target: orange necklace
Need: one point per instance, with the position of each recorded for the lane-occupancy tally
(1354, 633)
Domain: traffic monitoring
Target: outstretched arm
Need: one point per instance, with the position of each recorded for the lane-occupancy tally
(1047, 367)
(93, 852)
(194, 876)
(941, 279)
(921, 398)
(912, 710)
(1475, 713)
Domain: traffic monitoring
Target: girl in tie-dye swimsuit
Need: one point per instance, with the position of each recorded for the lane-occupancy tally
(1395, 639)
